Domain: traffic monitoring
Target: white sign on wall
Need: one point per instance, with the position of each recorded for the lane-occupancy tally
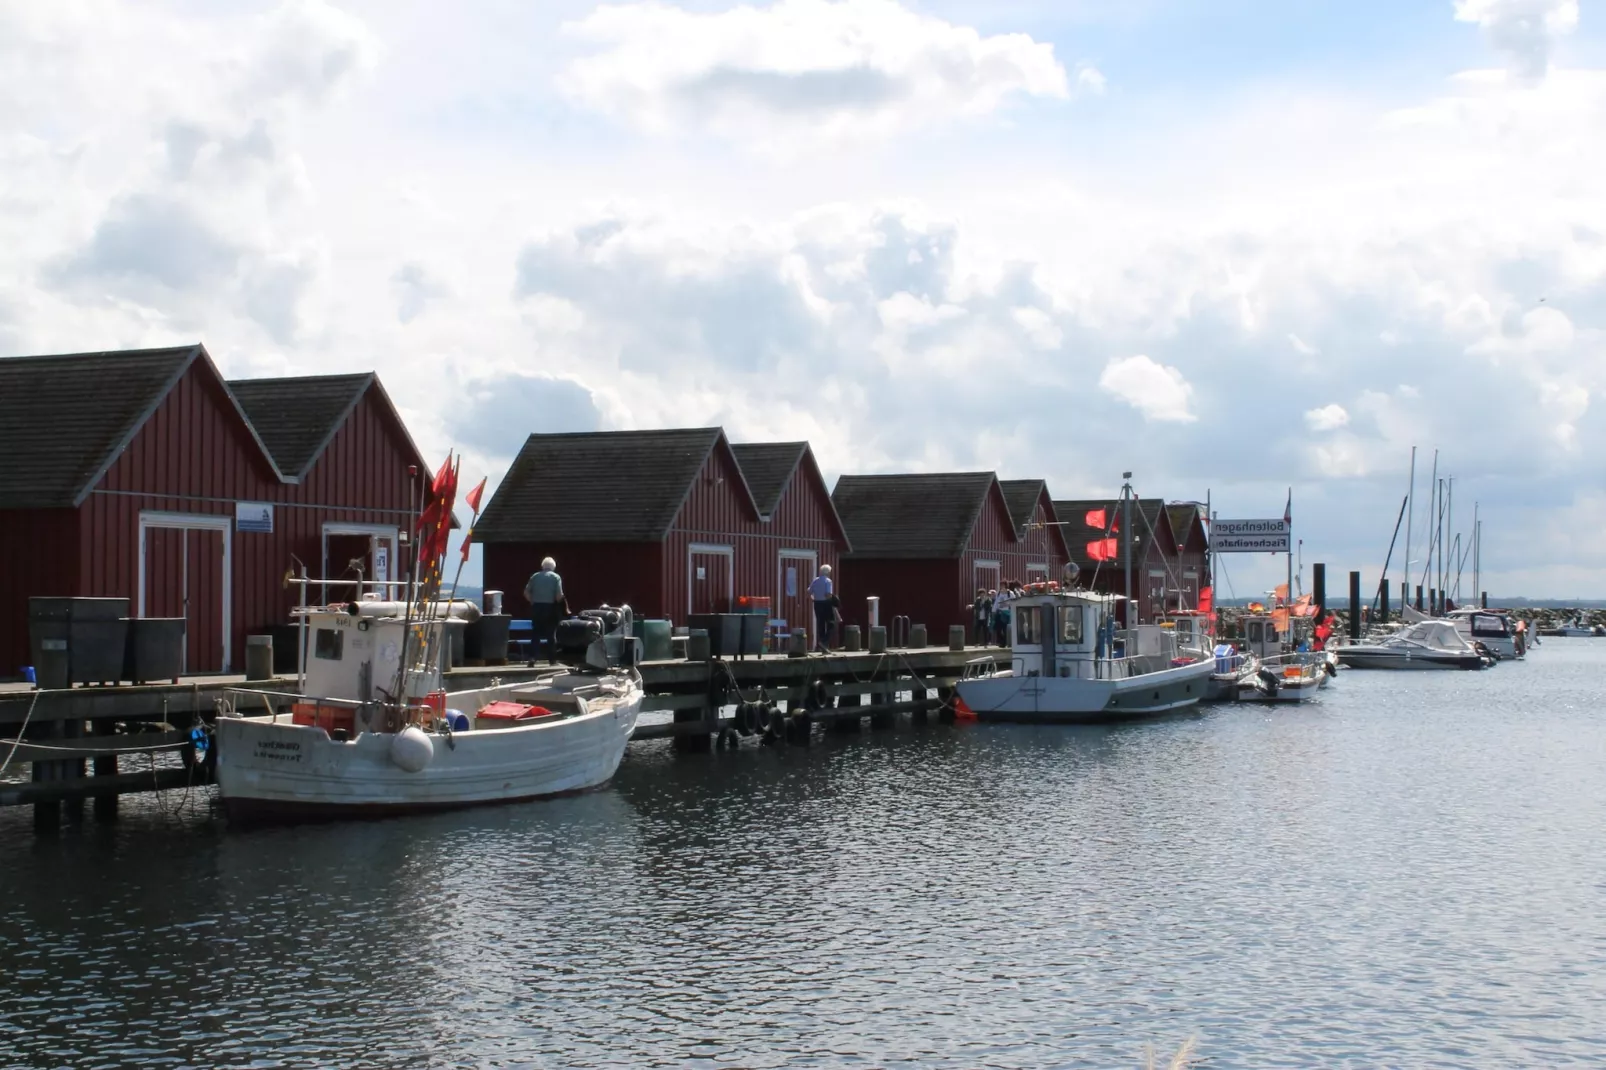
(254, 516)
(791, 581)
(382, 561)
(1249, 536)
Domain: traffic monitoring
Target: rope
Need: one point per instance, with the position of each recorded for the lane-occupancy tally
(154, 748)
(20, 732)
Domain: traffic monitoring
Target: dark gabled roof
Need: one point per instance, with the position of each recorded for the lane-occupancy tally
(920, 516)
(1183, 516)
(768, 468)
(1022, 495)
(67, 418)
(597, 486)
(297, 416)
(1148, 514)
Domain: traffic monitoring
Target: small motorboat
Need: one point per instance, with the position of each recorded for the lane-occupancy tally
(1428, 644)
(1286, 678)
(1070, 664)
(1493, 630)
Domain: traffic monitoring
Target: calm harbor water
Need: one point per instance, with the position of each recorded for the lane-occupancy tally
(1409, 873)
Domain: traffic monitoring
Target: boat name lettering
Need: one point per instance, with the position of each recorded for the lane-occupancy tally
(278, 750)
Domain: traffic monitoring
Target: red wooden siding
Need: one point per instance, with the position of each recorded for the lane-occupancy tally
(616, 573)
(919, 590)
(195, 456)
(37, 557)
(1040, 545)
(992, 539)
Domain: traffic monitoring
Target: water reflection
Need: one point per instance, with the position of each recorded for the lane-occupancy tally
(1407, 872)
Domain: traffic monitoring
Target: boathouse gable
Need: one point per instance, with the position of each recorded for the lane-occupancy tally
(666, 520)
(923, 543)
(189, 513)
(1040, 552)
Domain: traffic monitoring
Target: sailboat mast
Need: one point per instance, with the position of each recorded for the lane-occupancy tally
(1449, 528)
(1477, 550)
(1433, 495)
(1410, 518)
(1288, 591)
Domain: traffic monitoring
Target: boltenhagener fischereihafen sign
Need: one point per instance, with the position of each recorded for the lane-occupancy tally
(1249, 536)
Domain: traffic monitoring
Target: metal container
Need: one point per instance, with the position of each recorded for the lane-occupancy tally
(730, 634)
(656, 641)
(486, 639)
(155, 649)
(259, 657)
(77, 640)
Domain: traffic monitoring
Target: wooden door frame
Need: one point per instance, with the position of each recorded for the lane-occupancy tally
(187, 522)
(729, 553)
(976, 566)
(813, 558)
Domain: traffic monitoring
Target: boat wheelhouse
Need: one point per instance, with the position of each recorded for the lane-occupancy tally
(1070, 662)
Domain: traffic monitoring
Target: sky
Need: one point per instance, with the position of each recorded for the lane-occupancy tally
(1250, 248)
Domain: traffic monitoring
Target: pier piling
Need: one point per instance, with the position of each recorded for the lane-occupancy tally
(1318, 588)
(1355, 606)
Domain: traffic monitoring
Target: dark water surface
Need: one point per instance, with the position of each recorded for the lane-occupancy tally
(1411, 873)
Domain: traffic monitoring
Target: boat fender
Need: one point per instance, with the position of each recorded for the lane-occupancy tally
(411, 750)
(1329, 668)
(1269, 678)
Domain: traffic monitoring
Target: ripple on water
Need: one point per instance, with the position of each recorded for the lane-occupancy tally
(1407, 873)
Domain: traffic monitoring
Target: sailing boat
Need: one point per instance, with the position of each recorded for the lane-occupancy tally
(1070, 663)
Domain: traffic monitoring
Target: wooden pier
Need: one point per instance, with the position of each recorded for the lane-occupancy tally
(81, 742)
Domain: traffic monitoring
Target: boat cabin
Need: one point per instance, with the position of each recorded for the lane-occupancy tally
(1073, 633)
(354, 651)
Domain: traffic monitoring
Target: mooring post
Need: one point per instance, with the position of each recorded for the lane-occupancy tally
(916, 695)
(850, 724)
(106, 765)
(1318, 587)
(72, 769)
(945, 698)
(46, 815)
(1483, 600)
(881, 696)
(1419, 598)
(1383, 602)
(1355, 606)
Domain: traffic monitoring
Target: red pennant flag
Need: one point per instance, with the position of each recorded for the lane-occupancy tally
(1103, 549)
(1207, 600)
(1095, 519)
(472, 498)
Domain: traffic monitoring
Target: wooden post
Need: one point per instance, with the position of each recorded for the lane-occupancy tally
(1355, 606)
(847, 726)
(881, 721)
(106, 765)
(1419, 598)
(945, 695)
(918, 694)
(1318, 587)
(46, 815)
(72, 769)
(1383, 602)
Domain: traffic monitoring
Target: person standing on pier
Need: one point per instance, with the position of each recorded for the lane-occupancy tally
(544, 592)
(824, 610)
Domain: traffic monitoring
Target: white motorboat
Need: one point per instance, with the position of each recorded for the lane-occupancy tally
(1069, 664)
(350, 747)
(1495, 631)
(1428, 644)
(1286, 678)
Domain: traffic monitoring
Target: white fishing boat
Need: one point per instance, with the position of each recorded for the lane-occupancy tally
(1428, 644)
(1283, 671)
(1070, 664)
(367, 738)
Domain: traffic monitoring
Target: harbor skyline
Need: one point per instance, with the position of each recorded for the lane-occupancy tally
(1233, 253)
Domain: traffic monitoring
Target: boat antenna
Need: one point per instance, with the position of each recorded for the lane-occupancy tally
(1126, 539)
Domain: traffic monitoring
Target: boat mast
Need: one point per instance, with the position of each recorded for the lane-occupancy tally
(1433, 483)
(1126, 542)
(1449, 528)
(1288, 592)
(1210, 559)
(1410, 519)
(1477, 547)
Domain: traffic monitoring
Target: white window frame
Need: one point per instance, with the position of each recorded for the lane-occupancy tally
(151, 518)
(373, 531)
(1037, 568)
(976, 567)
(729, 553)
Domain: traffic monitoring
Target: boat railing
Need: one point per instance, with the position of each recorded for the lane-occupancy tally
(976, 668)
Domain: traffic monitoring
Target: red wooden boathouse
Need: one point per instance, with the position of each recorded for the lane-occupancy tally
(672, 522)
(1040, 552)
(924, 543)
(143, 475)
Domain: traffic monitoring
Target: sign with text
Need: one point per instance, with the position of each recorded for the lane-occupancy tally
(1249, 536)
(254, 516)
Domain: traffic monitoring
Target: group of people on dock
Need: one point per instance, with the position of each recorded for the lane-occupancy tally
(989, 613)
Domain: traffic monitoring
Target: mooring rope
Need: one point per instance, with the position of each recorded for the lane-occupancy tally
(20, 732)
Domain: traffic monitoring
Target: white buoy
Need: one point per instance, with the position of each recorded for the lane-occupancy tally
(411, 749)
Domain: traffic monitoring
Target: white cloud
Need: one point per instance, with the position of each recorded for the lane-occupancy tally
(829, 66)
(1158, 391)
(1326, 418)
(1524, 32)
(1302, 347)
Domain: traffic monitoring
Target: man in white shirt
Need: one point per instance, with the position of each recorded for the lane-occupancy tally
(824, 610)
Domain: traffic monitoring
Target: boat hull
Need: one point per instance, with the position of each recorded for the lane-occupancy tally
(1073, 700)
(1359, 659)
(274, 770)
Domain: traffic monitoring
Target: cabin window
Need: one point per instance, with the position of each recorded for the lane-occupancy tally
(1071, 625)
(326, 644)
(1029, 625)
